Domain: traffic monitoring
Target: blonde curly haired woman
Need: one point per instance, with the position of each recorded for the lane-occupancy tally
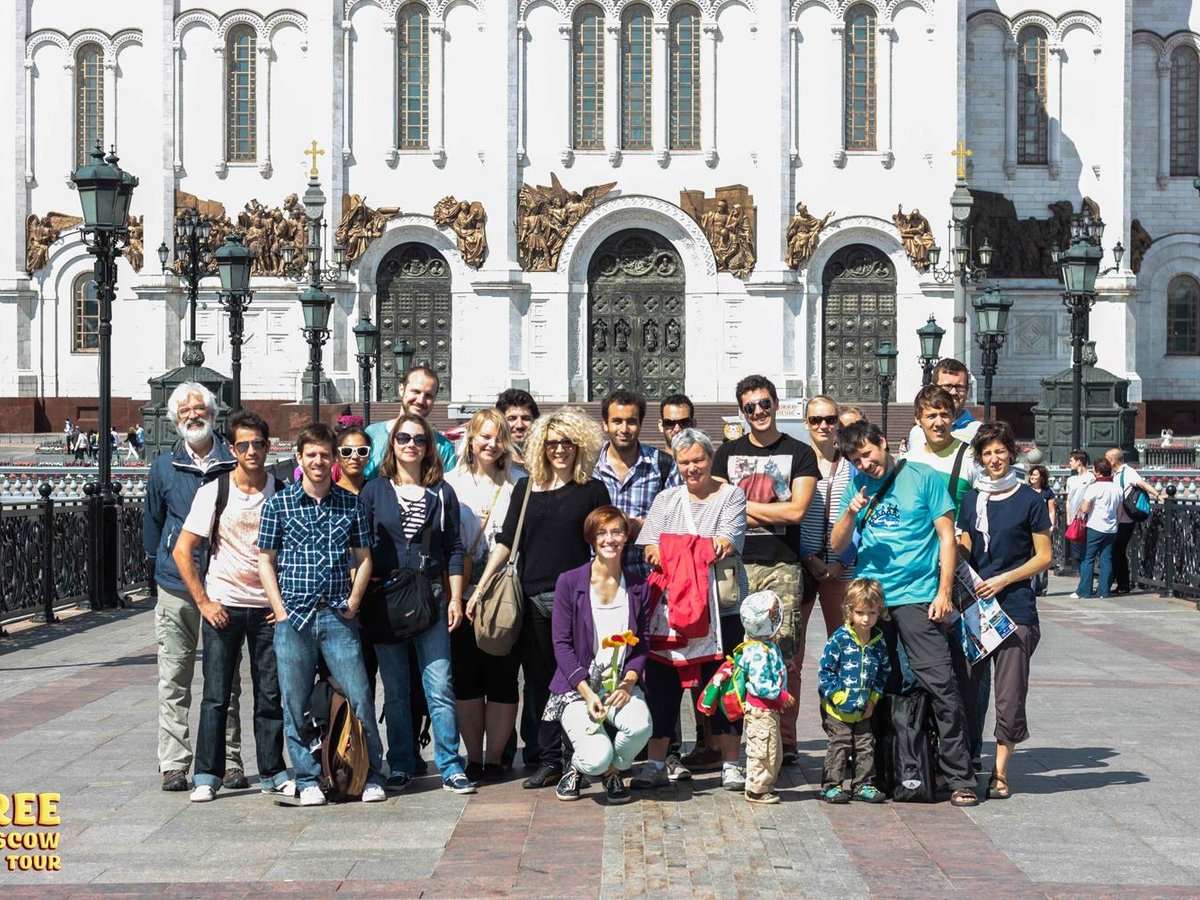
(560, 452)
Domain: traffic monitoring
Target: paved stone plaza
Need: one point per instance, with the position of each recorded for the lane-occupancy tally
(1105, 799)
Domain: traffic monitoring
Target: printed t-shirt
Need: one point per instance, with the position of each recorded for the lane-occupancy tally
(942, 462)
(899, 546)
(765, 475)
(232, 577)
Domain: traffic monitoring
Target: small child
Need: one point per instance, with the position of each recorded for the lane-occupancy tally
(854, 670)
(766, 694)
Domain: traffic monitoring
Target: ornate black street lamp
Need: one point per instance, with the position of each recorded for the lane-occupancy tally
(192, 231)
(105, 192)
(991, 326)
(234, 262)
(316, 305)
(885, 366)
(930, 336)
(404, 360)
(366, 335)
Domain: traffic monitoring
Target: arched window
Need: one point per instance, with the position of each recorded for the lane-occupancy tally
(413, 77)
(85, 316)
(684, 49)
(1185, 104)
(1183, 316)
(587, 45)
(241, 131)
(1031, 96)
(860, 78)
(89, 100)
(636, 76)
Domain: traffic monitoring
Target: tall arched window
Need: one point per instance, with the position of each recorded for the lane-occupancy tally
(1183, 316)
(1185, 104)
(241, 128)
(413, 77)
(636, 76)
(1031, 96)
(85, 316)
(684, 49)
(860, 78)
(587, 45)
(89, 100)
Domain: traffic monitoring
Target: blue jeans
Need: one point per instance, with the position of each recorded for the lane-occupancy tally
(337, 641)
(1099, 544)
(221, 655)
(432, 647)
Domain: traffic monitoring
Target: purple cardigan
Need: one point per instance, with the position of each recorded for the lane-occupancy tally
(575, 633)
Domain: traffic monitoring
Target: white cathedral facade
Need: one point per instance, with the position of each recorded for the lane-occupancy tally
(684, 135)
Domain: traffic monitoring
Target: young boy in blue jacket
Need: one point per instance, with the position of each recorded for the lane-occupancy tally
(854, 670)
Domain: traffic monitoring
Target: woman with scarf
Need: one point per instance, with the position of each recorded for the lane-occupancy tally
(1006, 533)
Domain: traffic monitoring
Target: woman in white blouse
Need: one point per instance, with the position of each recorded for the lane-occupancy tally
(1101, 504)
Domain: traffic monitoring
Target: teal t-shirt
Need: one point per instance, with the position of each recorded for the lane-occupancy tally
(899, 545)
(378, 432)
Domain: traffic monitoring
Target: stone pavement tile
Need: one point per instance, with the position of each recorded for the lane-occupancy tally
(334, 866)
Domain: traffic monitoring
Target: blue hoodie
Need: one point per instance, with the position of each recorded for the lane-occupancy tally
(852, 673)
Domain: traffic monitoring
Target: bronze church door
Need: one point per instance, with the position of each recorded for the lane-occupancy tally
(636, 321)
(413, 303)
(859, 314)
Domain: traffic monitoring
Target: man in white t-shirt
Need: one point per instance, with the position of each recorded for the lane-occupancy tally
(1081, 476)
(937, 446)
(1125, 477)
(225, 514)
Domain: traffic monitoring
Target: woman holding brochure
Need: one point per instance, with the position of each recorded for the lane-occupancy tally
(1006, 535)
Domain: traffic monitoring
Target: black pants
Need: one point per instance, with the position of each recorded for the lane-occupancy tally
(536, 650)
(928, 649)
(1120, 580)
(850, 744)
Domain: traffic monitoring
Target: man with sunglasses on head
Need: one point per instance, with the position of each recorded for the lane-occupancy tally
(675, 413)
(419, 391)
(235, 609)
(778, 474)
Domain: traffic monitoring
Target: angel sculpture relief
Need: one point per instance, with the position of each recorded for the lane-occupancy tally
(135, 253)
(545, 217)
(916, 235)
(467, 221)
(40, 234)
(803, 234)
(360, 225)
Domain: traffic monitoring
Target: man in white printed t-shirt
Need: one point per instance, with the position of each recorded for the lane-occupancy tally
(225, 513)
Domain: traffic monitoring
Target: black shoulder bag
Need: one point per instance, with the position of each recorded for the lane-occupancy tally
(403, 604)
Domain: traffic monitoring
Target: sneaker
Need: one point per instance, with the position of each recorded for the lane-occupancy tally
(203, 793)
(235, 780)
(768, 798)
(373, 793)
(568, 786)
(615, 791)
(733, 778)
(474, 771)
(651, 776)
(312, 796)
(492, 773)
(283, 789)
(835, 794)
(174, 780)
(790, 756)
(677, 771)
(868, 793)
(703, 759)
(397, 782)
(458, 783)
(544, 777)
(1075, 595)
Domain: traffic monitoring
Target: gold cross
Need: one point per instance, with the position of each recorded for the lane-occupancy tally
(314, 153)
(961, 153)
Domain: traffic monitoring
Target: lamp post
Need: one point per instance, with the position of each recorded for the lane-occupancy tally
(885, 365)
(1080, 264)
(192, 252)
(105, 192)
(404, 360)
(234, 262)
(930, 335)
(366, 335)
(991, 325)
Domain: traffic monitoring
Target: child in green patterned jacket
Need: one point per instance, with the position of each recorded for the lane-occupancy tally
(766, 694)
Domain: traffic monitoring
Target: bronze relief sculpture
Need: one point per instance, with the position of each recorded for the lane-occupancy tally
(467, 221)
(546, 216)
(40, 234)
(803, 235)
(728, 222)
(360, 224)
(916, 235)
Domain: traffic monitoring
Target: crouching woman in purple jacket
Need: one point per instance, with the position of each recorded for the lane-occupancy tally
(599, 627)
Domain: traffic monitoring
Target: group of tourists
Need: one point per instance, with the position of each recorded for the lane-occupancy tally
(647, 575)
(85, 445)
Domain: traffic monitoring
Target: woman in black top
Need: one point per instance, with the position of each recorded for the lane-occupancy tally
(560, 452)
(1039, 480)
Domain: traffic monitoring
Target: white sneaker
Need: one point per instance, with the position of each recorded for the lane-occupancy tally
(203, 793)
(677, 771)
(733, 778)
(1074, 595)
(373, 793)
(312, 796)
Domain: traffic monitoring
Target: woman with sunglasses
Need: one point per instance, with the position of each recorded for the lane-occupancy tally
(410, 498)
(353, 451)
(485, 685)
(561, 451)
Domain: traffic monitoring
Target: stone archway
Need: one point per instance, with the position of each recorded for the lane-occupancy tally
(636, 316)
(413, 302)
(859, 313)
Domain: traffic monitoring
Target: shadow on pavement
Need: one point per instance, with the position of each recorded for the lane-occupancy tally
(78, 624)
(1064, 769)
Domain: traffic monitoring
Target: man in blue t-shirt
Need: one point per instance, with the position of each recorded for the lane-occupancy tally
(905, 519)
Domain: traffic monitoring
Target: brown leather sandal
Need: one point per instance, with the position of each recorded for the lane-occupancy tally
(964, 797)
(997, 788)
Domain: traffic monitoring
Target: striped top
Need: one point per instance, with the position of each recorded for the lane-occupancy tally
(822, 515)
(412, 513)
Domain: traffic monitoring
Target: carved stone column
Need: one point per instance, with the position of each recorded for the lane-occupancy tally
(794, 100)
(437, 91)
(347, 69)
(660, 86)
(393, 155)
(883, 94)
(1164, 122)
(522, 50)
(110, 99)
(708, 82)
(612, 90)
(262, 108)
(567, 155)
(1054, 110)
(177, 105)
(27, 122)
(837, 112)
(69, 71)
(221, 167)
(1010, 108)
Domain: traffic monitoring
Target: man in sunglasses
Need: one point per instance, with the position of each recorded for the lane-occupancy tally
(235, 609)
(675, 413)
(420, 390)
(199, 456)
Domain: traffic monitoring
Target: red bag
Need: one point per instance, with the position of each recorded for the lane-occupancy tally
(1076, 532)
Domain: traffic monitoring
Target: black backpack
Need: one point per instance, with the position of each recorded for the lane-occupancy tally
(904, 751)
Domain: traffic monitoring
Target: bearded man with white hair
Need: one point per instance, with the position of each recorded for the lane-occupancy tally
(198, 457)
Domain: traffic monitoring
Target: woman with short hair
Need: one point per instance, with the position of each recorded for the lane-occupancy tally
(1101, 508)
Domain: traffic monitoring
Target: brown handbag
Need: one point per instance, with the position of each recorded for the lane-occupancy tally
(500, 602)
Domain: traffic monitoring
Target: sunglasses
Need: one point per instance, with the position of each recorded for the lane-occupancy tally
(243, 446)
(566, 444)
(348, 452)
(764, 404)
(404, 437)
(669, 424)
(814, 421)
(953, 388)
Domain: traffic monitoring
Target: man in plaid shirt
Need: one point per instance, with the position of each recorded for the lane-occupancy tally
(304, 534)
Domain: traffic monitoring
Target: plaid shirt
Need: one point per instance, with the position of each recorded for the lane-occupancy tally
(312, 538)
(635, 495)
